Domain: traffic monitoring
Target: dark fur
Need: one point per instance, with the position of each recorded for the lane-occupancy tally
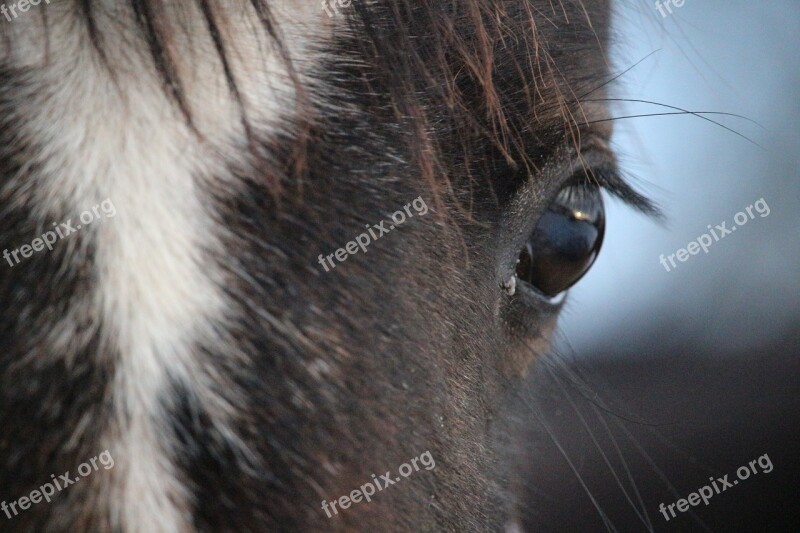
(473, 105)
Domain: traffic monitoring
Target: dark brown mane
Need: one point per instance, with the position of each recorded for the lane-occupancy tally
(433, 65)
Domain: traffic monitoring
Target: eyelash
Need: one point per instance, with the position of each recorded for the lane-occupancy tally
(610, 180)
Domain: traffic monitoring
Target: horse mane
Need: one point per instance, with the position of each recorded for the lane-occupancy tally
(439, 62)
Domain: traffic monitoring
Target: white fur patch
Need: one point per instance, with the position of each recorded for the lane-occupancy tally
(158, 293)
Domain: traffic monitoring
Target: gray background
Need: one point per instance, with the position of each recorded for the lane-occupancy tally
(738, 57)
(660, 380)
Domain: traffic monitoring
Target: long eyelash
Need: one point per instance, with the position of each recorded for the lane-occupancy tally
(611, 180)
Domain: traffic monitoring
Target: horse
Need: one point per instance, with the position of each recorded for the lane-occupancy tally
(341, 233)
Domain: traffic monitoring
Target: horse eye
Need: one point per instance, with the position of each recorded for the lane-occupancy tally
(566, 240)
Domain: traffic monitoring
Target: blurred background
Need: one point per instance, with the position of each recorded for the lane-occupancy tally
(660, 379)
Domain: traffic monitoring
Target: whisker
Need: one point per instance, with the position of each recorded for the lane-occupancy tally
(660, 473)
(634, 100)
(550, 433)
(615, 78)
(581, 384)
(694, 113)
(691, 457)
(628, 473)
(597, 445)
